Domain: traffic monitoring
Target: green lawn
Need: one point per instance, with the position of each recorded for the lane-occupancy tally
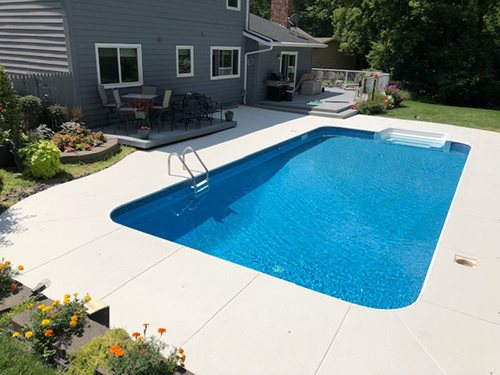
(16, 360)
(14, 186)
(486, 119)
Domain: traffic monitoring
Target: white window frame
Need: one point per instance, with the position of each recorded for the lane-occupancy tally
(296, 54)
(191, 51)
(238, 8)
(225, 48)
(118, 46)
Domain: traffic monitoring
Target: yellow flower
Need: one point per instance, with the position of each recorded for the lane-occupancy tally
(140, 338)
(87, 298)
(75, 295)
(41, 306)
(56, 302)
(28, 334)
(74, 318)
(73, 323)
(20, 268)
(47, 309)
(30, 305)
(45, 322)
(66, 296)
(7, 263)
(15, 334)
(66, 301)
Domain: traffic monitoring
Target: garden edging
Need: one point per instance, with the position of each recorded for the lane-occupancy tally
(97, 153)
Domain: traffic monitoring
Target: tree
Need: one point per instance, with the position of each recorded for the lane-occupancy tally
(261, 8)
(10, 119)
(447, 51)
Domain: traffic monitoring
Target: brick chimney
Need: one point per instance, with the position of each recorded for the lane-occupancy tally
(280, 11)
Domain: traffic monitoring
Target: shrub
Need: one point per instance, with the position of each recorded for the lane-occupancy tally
(9, 116)
(96, 353)
(31, 108)
(397, 94)
(7, 273)
(143, 356)
(56, 114)
(43, 132)
(372, 107)
(53, 325)
(41, 159)
(75, 137)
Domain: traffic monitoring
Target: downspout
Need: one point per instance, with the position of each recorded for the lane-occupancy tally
(247, 54)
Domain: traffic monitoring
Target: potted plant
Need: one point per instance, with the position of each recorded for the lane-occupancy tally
(229, 115)
(144, 131)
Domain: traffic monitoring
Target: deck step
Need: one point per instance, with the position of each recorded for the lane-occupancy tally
(338, 115)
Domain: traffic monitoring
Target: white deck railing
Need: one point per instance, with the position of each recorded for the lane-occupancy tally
(350, 79)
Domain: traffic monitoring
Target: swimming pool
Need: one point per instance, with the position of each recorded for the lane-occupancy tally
(334, 211)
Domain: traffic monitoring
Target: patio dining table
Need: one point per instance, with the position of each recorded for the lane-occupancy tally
(142, 102)
(145, 97)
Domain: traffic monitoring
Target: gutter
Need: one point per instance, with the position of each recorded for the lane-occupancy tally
(262, 40)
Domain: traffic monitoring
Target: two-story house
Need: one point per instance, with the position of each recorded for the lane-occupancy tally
(215, 47)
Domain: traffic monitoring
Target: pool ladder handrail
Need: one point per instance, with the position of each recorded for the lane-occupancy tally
(197, 187)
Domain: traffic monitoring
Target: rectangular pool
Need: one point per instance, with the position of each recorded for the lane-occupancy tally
(334, 211)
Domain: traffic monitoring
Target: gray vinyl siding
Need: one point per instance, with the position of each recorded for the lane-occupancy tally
(32, 36)
(158, 26)
(266, 63)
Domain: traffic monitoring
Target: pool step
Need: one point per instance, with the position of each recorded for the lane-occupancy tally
(200, 186)
(413, 138)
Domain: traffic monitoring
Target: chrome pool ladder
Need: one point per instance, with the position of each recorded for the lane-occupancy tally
(198, 183)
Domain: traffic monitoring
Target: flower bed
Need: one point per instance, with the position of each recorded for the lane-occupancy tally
(62, 334)
(75, 137)
(97, 153)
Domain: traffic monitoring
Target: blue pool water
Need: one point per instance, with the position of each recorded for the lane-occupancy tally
(335, 212)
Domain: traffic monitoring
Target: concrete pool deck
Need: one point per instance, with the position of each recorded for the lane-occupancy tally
(233, 320)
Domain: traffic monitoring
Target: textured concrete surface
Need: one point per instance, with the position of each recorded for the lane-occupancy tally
(233, 320)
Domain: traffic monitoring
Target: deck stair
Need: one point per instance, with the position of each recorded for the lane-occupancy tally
(413, 138)
(340, 111)
(199, 183)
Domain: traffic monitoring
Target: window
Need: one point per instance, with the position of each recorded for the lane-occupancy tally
(119, 65)
(225, 62)
(288, 67)
(185, 61)
(233, 4)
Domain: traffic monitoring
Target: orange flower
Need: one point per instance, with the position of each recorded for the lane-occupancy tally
(20, 268)
(117, 351)
(7, 263)
(181, 351)
(161, 331)
(136, 334)
(73, 323)
(1, 266)
(13, 287)
(49, 333)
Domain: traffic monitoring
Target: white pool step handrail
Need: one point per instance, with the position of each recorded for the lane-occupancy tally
(199, 186)
(413, 138)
